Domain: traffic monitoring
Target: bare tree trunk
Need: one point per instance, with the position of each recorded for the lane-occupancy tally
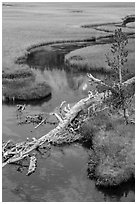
(120, 71)
(125, 115)
(120, 66)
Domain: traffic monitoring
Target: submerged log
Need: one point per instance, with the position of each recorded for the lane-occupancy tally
(64, 126)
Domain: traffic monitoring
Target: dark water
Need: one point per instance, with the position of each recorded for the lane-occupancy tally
(62, 174)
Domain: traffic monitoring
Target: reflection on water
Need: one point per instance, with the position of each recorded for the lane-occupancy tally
(120, 193)
(44, 57)
(62, 175)
(65, 85)
(50, 57)
(48, 65)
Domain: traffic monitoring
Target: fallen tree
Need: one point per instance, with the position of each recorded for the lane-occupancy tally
(69, 122)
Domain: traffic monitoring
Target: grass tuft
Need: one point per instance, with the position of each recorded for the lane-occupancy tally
(112, 159)
(20, 85)
(17, 74)
(115, 151)
(17, 78)
(34, 91)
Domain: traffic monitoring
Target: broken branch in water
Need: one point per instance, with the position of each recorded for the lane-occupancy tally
(4, 146)
(15, 158)
(59, 118)
(32, 166)
(41, 123)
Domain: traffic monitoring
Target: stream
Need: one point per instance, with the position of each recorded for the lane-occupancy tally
(61, 175)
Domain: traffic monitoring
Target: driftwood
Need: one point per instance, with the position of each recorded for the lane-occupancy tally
(32, 166)
(69, 119)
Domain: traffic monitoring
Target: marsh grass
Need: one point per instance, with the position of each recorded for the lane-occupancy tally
(115, 151)
(92, 58)
(20, 85)
(18, 82)
(112, 159)
(34, 91)
(17, 78)
(17, 74)
(86, 67)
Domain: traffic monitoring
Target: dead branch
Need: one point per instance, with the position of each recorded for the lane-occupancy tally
(32, 166)
(98, 81)
(41, 123)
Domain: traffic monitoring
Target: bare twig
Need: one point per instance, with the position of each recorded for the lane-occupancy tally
(40, 123)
